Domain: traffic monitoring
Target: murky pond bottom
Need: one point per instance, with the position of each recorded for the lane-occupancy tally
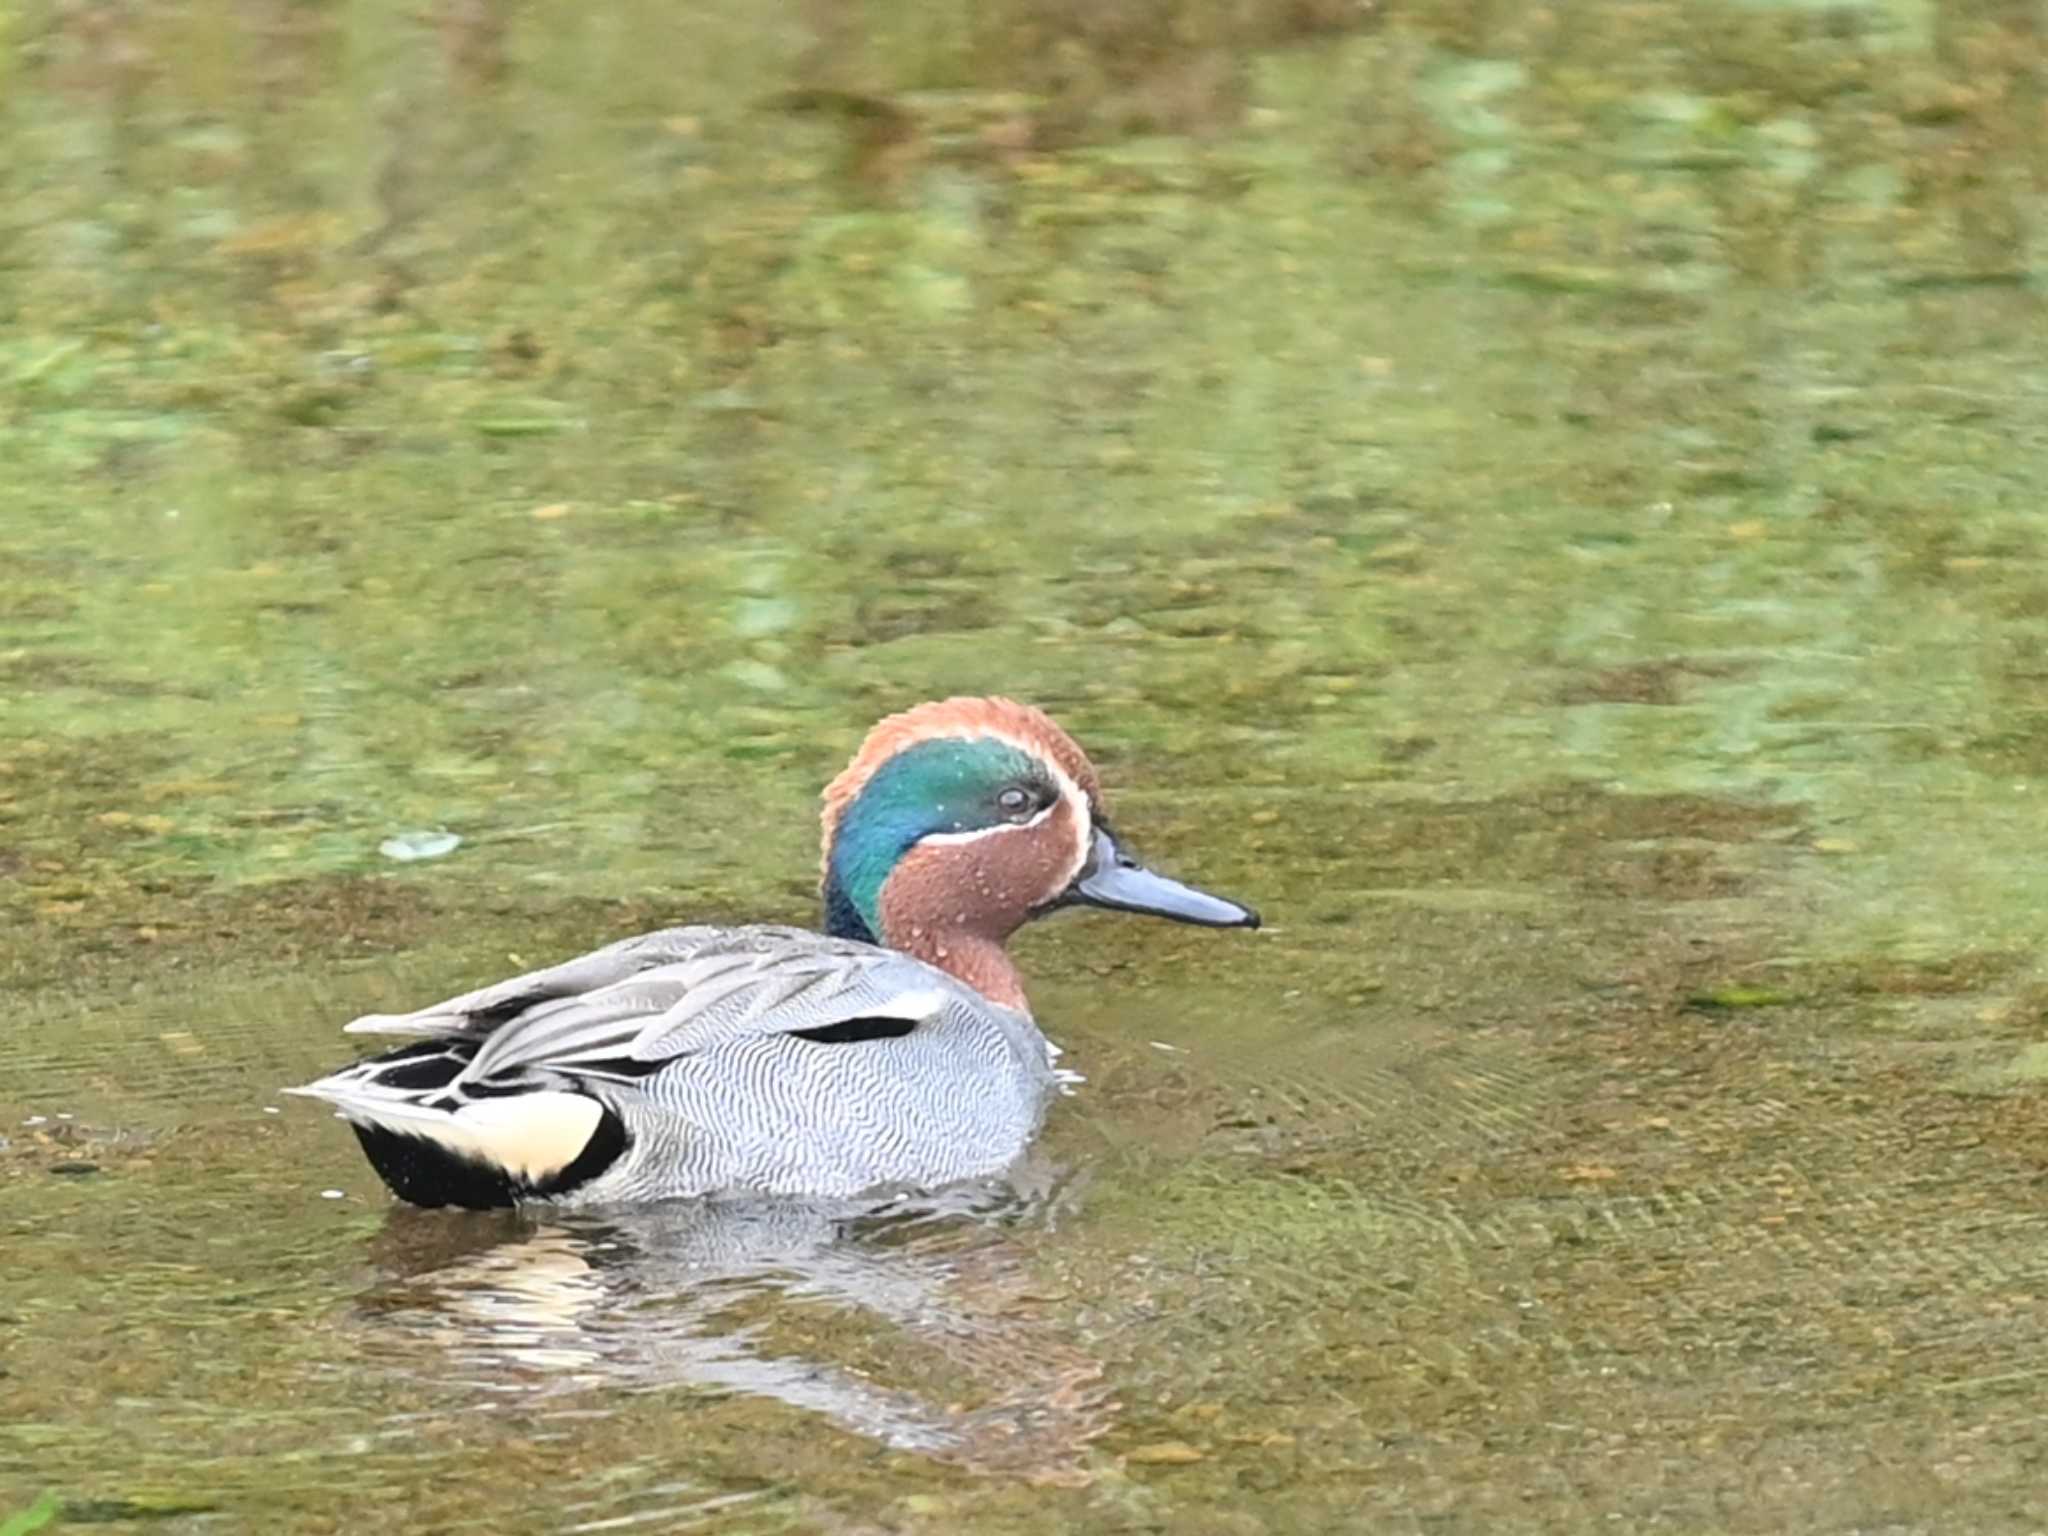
(1549, 513)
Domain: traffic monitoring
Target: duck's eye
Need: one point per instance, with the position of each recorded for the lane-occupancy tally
(1015, 802)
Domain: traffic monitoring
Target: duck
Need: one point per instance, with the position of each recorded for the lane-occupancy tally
(893, 1051)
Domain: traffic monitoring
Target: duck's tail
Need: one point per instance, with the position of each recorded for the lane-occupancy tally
(438, 1140)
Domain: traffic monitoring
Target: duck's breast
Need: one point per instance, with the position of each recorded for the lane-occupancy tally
(836, 1112)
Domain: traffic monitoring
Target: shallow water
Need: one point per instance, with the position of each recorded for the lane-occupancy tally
(1548, 511)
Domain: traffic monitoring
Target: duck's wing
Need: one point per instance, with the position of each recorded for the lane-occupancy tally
(627, 1011)
(476, 1014)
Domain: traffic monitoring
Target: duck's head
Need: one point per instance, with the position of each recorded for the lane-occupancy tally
(958, 821)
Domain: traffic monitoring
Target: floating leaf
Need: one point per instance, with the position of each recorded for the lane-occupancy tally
(409, 846)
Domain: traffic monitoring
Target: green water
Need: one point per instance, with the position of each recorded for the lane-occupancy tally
(1545, 502)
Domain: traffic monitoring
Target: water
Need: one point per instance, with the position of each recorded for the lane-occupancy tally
(1546, 511)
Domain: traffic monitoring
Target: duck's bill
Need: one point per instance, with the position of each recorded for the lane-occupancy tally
(1113, 879)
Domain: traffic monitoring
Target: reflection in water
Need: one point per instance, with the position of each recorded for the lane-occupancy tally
(660, 1296)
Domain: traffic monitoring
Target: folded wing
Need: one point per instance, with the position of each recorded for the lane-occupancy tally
(626, 1010)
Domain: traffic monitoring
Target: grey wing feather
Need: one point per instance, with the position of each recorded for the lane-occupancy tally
(676, 992)
(476, 1014)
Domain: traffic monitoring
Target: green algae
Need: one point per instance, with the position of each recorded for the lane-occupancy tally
(33, 1518)
(1735, 995)
(1545, 509)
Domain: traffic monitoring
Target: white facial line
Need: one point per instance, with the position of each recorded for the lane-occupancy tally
(1084, 821)
(980, 832)
(1084, 824)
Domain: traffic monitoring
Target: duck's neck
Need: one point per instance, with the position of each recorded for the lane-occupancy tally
(843, 920)
(975, 958)
(937, 903)
(979, 961)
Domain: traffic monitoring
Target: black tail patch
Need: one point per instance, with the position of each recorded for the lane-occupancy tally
(423, 1172)
(429, 1174)
(606, 1146)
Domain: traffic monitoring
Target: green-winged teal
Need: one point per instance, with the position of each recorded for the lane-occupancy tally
(894, 1049)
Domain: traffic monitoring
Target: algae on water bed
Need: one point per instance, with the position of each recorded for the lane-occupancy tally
(1543, 503)
(33, 1518)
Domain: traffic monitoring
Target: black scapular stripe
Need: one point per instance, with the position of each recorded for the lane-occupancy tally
(852, 1031)
(430, 1064)
(628, 1068)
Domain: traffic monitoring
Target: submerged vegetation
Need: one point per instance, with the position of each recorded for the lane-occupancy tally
(33, 1518)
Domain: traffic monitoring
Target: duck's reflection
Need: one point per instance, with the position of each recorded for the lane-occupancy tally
(775, 1299)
